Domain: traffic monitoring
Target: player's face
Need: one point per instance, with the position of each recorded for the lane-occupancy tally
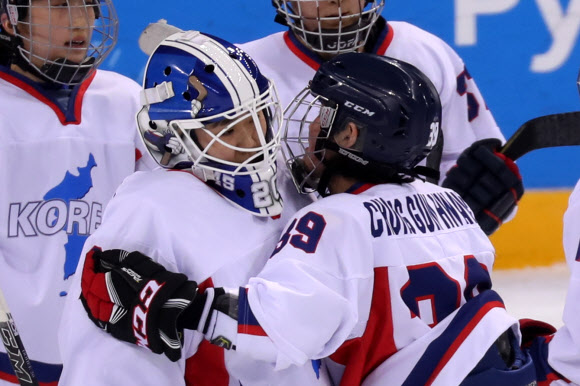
(332, 13)
(242, 135)
(345, 138)
(58, 29)
(311, 160)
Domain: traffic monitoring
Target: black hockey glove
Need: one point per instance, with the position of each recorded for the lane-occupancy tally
(136, 300)
(488, 181)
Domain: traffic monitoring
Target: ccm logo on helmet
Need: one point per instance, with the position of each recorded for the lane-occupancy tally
(358, 108)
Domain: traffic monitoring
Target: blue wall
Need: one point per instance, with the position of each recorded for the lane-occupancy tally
(522, 68)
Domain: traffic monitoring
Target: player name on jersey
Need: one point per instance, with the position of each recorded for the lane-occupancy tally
(418, 213)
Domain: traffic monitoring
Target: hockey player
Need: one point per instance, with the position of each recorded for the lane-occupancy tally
(67, 140)
(212, 212)
(387, 278)
(320, 29)
(564, 346)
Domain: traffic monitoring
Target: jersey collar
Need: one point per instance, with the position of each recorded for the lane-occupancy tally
(67, 115)
(384, 40)
(300, 50)
(314, 61)
(359, 187)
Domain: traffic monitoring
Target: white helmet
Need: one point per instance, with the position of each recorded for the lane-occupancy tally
(63, 44)
(329, 29)
(193, 80)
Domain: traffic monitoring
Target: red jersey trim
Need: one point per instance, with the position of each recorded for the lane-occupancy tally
(138, 155)
(251, 330)
(207, 367)
(359, 188)
(299, 53)
(387, 42)
(79, 99)
(42, 98)
(310, 58)
(361, 356)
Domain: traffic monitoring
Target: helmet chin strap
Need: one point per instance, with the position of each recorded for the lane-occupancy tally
(329, 171)
(329, 40)
(59, 70)
(65, 71)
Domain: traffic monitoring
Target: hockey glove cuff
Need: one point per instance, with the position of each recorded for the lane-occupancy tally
(532, 329)
(135, 299)
(215, 314)
(489, 182)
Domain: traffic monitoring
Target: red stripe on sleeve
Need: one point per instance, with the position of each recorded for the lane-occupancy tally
(251, 330)
(138, 155)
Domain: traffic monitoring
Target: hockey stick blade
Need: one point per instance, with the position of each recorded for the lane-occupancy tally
(547, 131)
(14, 347)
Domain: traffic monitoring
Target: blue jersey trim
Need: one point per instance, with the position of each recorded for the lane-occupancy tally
(430, 362)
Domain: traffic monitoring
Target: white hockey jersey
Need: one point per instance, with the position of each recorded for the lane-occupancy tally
(564, 348)
(466, 118)
(183, 224)
(374, 280)
(59, 168)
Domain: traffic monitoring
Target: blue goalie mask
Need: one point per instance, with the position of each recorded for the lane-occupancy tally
(207, 107)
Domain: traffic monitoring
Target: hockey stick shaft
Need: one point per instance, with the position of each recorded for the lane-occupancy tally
(542, 132)
(14, 347)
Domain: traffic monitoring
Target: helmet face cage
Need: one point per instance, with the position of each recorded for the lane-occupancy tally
(333, 34)
(64, 43)
(301, 151)
(264, 109)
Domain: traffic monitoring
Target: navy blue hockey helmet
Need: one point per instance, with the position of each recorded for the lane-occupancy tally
(195, 83)
(395, 107)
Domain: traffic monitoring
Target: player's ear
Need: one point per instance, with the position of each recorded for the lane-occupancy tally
(347, 137)
(6, 24)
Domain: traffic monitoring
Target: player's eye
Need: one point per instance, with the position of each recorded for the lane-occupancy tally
(228, 132)
(59, 4)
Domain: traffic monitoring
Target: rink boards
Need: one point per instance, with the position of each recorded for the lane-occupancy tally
(534, 237)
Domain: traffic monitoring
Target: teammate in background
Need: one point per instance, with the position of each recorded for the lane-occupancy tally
(387, 278)
(212, 213)
(321, 29)
(67, 140)
(564, 353)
